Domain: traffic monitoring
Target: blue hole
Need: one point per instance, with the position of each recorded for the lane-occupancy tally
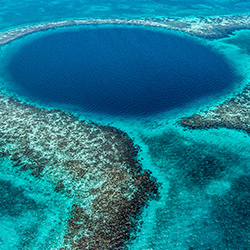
(119, 71)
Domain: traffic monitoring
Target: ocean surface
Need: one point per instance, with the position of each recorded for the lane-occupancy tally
(118, 71)
(103, 74)
(25, 11)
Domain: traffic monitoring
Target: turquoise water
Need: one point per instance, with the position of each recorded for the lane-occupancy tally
(204, 175)
(205, 198)
(25, 11)
(32, 215)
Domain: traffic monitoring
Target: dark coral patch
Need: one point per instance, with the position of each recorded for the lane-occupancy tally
(82, 160)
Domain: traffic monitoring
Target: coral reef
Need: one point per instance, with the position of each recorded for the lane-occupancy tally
(207, 27)
(233, 113)
(95, 166)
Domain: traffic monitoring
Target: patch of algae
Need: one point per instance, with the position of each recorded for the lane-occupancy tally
(93, 165)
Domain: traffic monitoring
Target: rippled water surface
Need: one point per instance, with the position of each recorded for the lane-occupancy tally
(140, 81)
(119, 71)
(25, 11)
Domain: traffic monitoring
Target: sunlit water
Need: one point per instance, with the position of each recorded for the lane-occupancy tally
(204, 175)
(25, 11)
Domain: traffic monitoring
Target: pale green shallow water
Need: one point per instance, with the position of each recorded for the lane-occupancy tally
(204, 174)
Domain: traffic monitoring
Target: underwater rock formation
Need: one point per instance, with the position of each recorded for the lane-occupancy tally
(95, 166)
(233, 113)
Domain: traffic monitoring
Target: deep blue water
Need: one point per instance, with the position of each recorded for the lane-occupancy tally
(119, 71)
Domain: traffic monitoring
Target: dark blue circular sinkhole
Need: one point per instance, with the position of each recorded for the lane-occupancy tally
(119, 70)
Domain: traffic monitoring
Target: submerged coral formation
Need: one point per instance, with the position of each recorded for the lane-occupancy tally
(207, 203)
(233, 113)
(94, 166)
(207, 27)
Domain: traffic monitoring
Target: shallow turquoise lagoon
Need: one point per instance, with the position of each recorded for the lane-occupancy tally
(204, 182)
(31, 213)
(19, 12)
(204, 175)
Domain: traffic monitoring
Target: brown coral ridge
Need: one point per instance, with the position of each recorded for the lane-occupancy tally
(94, 166)
(111, 232)
(232, 114)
